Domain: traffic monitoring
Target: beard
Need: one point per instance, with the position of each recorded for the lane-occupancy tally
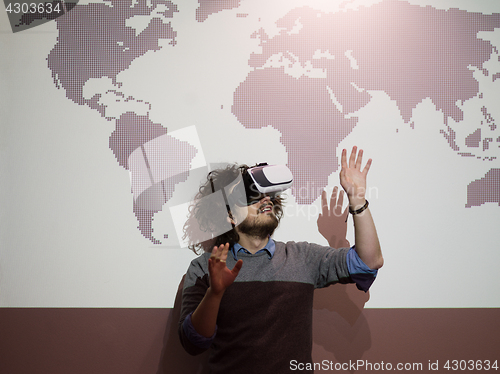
(256, 228)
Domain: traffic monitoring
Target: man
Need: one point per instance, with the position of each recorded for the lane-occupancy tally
(250, 300)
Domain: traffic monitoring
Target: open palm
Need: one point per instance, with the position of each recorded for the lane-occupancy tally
(220, 275)
(352, 178)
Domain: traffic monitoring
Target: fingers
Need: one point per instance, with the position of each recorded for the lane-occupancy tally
(333, 198)
(223, 255)
(334, 208)
(339, 203)
(359, 159)
(352, 159)
(334, 201)
(237, 267)
(355, 160)
(216, 253)
(324, 204)
(367, 166)
(219, 254)
(343, 159)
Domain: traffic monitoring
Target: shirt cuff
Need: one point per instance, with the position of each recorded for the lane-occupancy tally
(360, 273)
(194, 337)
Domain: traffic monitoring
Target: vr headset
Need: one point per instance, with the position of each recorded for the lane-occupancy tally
(265, 179)
(259, 181)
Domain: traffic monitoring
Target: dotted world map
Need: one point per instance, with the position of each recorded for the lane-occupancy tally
(306, 82)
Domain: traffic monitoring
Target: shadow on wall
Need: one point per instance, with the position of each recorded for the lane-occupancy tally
(174, 359)
(340, 330)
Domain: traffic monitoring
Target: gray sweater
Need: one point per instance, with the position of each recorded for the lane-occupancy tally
(265, 316)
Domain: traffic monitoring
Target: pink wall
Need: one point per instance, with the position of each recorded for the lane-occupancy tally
(107, 341)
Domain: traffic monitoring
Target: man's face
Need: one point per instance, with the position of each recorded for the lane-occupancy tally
(261, 221)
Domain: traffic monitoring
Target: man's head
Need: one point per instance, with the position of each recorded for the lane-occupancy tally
(255, 215)
(261, 219)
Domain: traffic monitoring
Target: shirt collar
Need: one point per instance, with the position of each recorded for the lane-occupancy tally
(270, 247)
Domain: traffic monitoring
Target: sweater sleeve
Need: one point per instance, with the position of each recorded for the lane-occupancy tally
(342, 265)
(196, 284)
(328, 264)
(194, 337)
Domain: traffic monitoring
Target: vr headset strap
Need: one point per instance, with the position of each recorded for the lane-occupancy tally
(225, 199)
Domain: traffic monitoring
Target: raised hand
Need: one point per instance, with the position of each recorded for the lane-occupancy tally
(204, 318)
(220, 275)
(332, 223)
(352, 178)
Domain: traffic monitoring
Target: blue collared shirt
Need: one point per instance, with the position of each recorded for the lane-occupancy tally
(270, 247)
